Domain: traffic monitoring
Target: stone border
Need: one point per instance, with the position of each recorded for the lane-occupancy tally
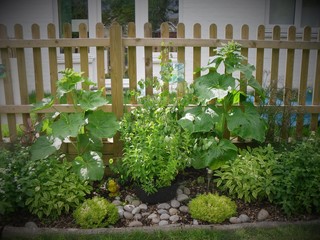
(25, 232)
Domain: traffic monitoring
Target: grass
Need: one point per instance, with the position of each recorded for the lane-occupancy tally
(310, 231)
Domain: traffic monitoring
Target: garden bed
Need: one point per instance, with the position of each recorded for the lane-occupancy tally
(189, 180)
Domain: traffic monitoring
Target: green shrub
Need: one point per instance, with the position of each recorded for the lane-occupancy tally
(298, 173)
(212, 208)
(251, 175)
(51, 187)
(96, 212)
(12, 160)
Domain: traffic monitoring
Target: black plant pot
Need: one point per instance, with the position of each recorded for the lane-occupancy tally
(163, 194)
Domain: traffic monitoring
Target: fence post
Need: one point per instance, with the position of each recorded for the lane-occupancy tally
(116, 63)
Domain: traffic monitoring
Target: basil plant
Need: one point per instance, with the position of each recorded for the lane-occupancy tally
(84, 127)
(222, 111)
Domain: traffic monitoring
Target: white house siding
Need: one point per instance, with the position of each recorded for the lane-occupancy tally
(237, 13)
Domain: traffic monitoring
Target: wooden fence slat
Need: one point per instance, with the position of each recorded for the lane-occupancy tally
(260, 60)
(22, 73)
(148, 59)
(68, 61)
(37, 65)
(181, 54)
(303, 81)
(53, 62)
(212, 35)
(116, 53)
(132, 63)
(84, 59)
(316, 91)
(196, 52)
(244, 52)
(100, 59)
(8, 87)
(273, 81)
(165, 53)
(287, 98)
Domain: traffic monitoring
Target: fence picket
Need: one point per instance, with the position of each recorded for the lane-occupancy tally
(181, 59)
(52, 51)
(316, 92)
(165, 54)
(303, 81)
(196, 52)
(116, 57)
(274, 81)
(84, 60)
(22, 73)
(260, 60)
(8, 88)
(132, 63)
(244, 52)
(287, 98)
(148, 59)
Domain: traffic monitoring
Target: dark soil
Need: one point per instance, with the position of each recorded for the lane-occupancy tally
(188, 179)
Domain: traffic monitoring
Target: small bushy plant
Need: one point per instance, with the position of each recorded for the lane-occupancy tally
(51, 188)
(251, 175)
(298, 170)
(96, 212)
(212, 208)
(12, 161)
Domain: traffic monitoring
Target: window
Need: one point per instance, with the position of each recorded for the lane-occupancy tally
(163, 11)
(294, 12)
(73, 12)
(121, 11)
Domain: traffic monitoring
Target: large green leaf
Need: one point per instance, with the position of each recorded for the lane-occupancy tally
(199, 119)
(88, 143)
(90, 100)
(247, 123)
(44, 147)
(102, 124)
(214, 154)
(89, 166)
(68, 125)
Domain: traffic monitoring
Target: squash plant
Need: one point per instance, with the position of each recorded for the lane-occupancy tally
(222, 106)
(84, 127)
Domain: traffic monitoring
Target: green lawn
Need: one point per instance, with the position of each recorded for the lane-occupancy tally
(309, 231)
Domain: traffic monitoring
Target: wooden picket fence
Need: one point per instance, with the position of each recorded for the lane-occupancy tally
(116, 43)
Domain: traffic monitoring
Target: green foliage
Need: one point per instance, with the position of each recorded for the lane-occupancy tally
(298, 174)
(12, 161)
(50, 187)
(218, 95)
(251, 176)
(156, 148)
(212, 208)
(96, 213)
(84, 128)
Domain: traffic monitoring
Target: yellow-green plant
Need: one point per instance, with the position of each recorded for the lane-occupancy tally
(212, 208)
(96, 213)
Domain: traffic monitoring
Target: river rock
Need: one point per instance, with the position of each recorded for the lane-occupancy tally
(155, 220)
(135, 224)
(162, 211)
(244, 218)
(136, 210)
(136, 203)
(175, 203)
(164, 216)
(262, 215)
(234, 220)
(117, 202)
(174, 218)
(163, 223)
(137, 216)
(152, 215)
(129, 207)
(173, 211)
(186, 191)
(143, 206)
(163, 206)
(128, 215)
(184, 209)
(182, 197)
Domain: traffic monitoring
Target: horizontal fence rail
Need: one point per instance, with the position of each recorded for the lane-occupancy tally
(45, 54)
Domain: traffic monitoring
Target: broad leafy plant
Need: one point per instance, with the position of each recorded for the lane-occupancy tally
(222, 108)
(84, 127)
(50, 187)
(251, 176)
